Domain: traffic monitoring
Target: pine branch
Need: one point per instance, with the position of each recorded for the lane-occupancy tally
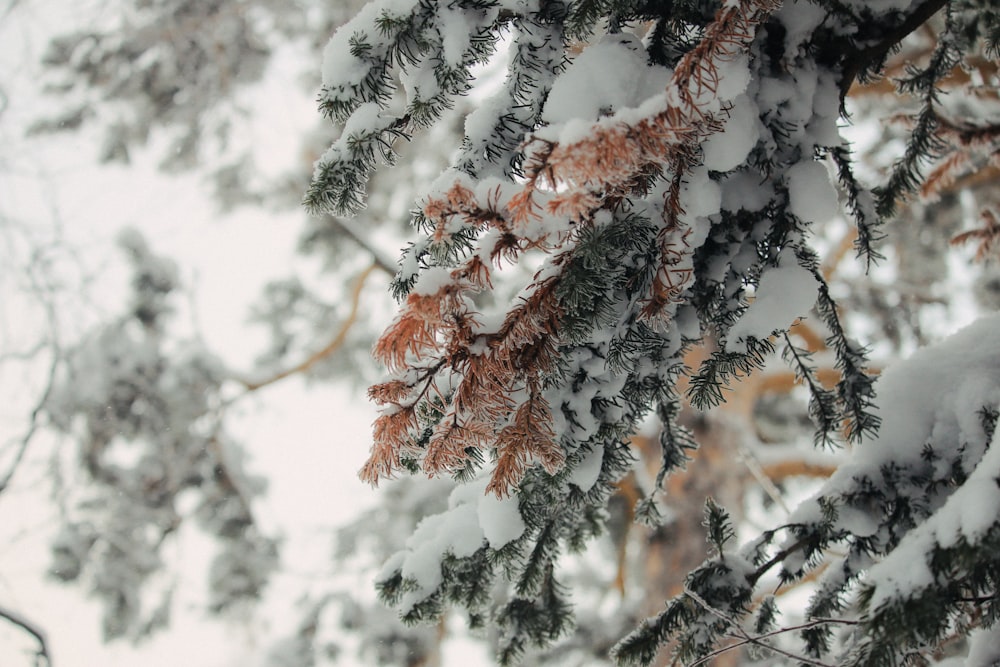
(675, 442)
(822, 403)
(855, 390)
(925, 142)
(859, 62)
(862, 208)
(746, 638)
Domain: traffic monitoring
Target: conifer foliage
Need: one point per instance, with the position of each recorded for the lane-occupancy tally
(660, 167)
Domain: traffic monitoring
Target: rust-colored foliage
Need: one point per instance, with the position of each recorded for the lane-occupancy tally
(971, 148)
(986, 237)
(528, 435)
(497, 403)
(392, 436)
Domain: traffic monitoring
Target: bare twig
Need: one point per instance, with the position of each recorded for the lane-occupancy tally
(26, 355)
(746, 639)
(330, 347)
(42, 657)
(22, 445)
(381, 261)
(766, 483)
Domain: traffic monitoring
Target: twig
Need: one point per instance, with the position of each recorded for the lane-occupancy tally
(766, 483)
(40, 284)
(778, 557)
(26, 355)
(330, 347)
(42, 657)
(380, 260)
(32, 423)
(758, 640)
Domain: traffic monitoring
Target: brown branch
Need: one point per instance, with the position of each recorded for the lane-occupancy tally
(335, 343)
(785, 469)
(987, 236)
(618, 160)
(628, 489)
(987, 176)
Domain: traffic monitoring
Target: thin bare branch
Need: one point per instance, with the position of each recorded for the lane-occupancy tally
(335, 343)
(42, 656)
(33, 419)
(758, 640)
(378, 257)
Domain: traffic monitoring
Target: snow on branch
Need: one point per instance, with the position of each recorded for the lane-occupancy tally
(614, 202)
(570, 183)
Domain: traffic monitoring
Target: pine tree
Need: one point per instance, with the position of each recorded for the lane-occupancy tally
(662, 167)
(633, 220)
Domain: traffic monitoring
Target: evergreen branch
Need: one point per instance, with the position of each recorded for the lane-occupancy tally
(822, 404)
(906, 176)
(779, 557)
(538, 49)
(746, 638)
(616, 155)
(577, 329)
(855, 390)
(861, 61)
(338, 184)
(861, 206)
(719, 526)
(925, 142)
(536, 569)
(675, 441)
(722, 368)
